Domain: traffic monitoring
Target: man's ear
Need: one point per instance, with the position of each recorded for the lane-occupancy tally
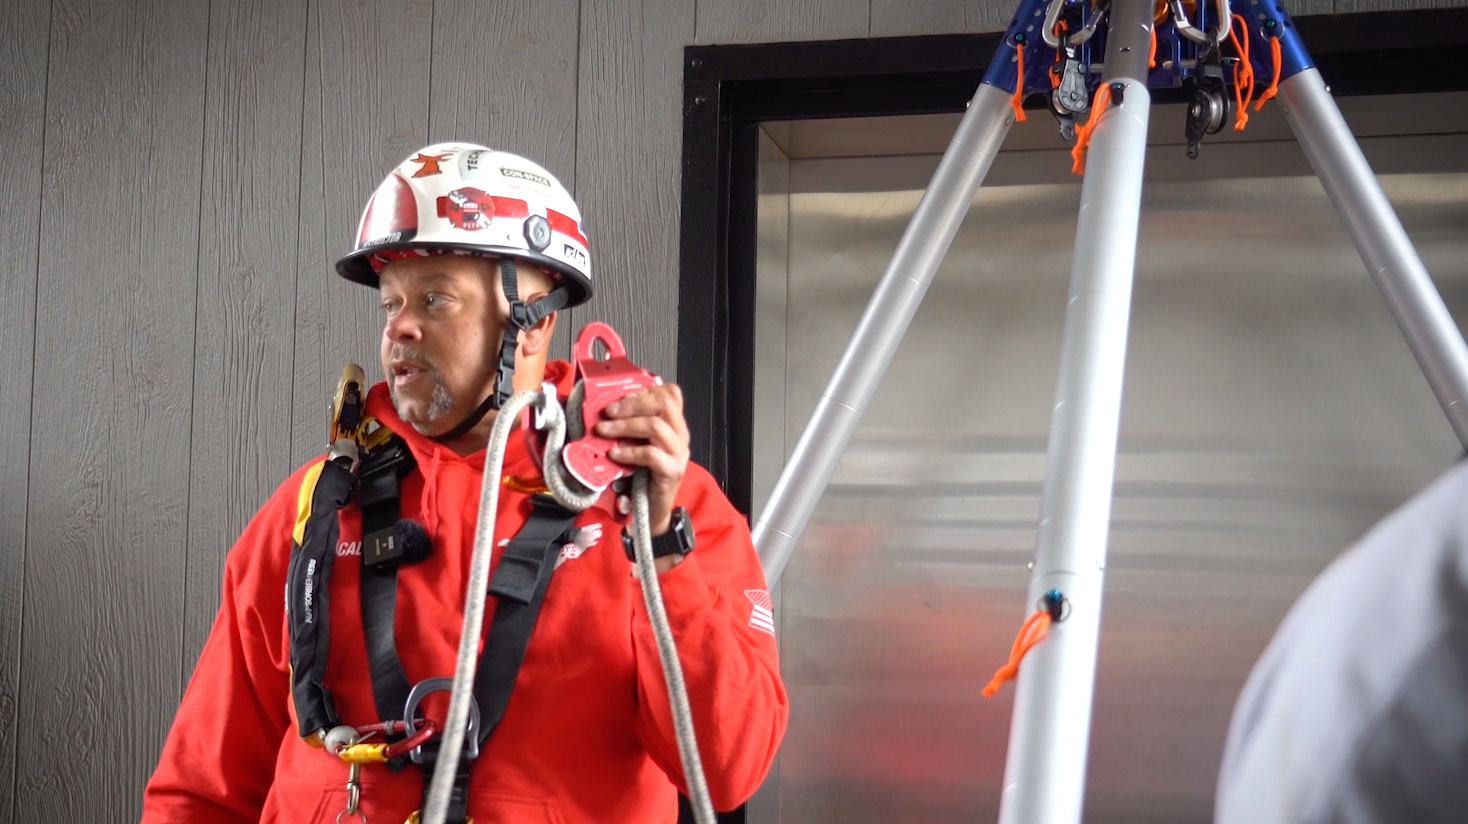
(534, 340)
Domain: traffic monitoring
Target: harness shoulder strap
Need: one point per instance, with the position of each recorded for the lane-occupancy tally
(519, 583)
(325, 489)
(383, 550)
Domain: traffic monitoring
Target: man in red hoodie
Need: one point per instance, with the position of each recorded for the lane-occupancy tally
(472, 252)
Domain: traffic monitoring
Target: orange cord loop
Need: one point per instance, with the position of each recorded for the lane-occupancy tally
(1243, 73)
(1019, 82)
(1099, 103)
(1273, 89)
(1034, 630)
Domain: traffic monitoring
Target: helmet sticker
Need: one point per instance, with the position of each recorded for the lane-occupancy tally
(391, 215)
(520, 174)
(427, 164)
(468, 208)
(573, 254)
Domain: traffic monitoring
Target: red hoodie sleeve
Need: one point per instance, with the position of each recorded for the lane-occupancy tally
(719, 611)
(218, 761)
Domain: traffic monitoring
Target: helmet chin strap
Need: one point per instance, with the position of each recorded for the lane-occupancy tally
(522, 316)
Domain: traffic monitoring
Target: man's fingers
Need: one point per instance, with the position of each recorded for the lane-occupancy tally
(661, 463)
(662, 401)
(655, 430)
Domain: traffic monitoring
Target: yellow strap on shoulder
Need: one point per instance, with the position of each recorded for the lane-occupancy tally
(303, 502)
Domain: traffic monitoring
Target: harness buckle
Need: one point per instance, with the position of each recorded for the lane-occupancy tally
(427, 752)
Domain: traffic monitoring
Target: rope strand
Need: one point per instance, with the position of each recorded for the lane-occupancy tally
(1019, 83)
(1273, 89)
(1083, 134)
(1034, 630)
(1243, 73)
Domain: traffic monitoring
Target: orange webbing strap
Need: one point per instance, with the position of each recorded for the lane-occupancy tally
(1152, 48)
(1274, 81)
(1019, 83)
(1243, 74)
(1083, 134)
(1033, 631)
(528, 485)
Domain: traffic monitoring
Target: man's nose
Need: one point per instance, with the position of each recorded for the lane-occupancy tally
(404, 326)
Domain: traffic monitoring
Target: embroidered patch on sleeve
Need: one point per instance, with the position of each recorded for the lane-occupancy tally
(763, 615)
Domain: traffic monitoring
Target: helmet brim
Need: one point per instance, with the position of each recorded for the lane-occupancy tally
(356, 266)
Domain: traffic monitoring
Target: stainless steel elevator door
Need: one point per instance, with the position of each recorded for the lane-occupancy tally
(1271, 414)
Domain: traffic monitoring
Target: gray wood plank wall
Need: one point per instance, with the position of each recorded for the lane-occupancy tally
(179, 177)
(106, 538)
(23, 28)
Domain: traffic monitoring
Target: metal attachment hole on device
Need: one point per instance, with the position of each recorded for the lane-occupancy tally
(1056, 604)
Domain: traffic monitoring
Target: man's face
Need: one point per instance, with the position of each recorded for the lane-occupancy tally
(443, 320)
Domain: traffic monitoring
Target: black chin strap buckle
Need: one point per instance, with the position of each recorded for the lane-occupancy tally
(504, 385)
(520, 318)
(523, 315)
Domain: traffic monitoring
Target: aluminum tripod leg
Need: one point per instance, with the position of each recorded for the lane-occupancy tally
(1045, 770)
(896, 299)
(1431, 333)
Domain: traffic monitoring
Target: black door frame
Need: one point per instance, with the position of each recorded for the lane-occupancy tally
(729, 90)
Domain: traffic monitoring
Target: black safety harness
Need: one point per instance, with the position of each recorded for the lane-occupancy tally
(389, 542)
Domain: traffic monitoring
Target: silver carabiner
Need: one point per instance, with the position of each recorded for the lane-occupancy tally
(548, 412)
(1197, 35)
(1052, 16)
(354, 797)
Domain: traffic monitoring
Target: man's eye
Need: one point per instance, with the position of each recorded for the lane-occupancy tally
(435, 301)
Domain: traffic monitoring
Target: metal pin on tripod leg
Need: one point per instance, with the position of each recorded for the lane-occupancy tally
(967, 159)
(1045, 770)
(1336, 158)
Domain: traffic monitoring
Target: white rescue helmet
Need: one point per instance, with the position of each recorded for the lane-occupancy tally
(470, 199)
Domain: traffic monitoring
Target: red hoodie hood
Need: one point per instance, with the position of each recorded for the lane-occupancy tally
(431, 455)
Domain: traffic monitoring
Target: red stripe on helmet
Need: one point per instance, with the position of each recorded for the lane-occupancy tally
(510, 207)
(565, 225)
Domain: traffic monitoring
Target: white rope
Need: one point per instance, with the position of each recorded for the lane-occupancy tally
(569, 494)
(652, 596)
(436, 808)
